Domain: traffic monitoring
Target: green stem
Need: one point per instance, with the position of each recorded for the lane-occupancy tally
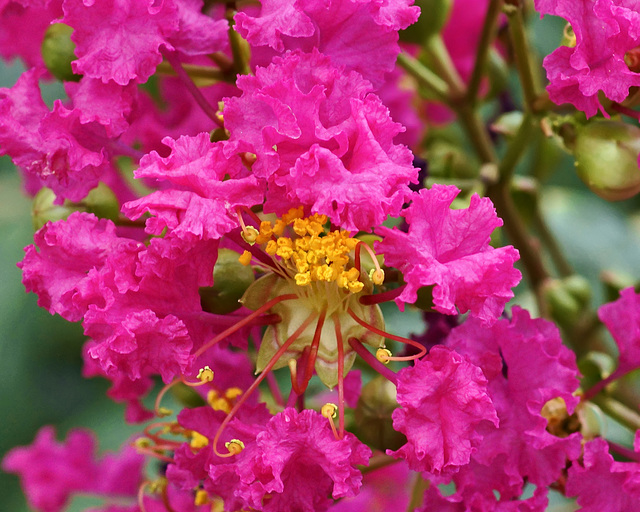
(618, 411)
(489, 30)
(417, 492)
(195, 72)
(550, 242)
(476, 131)
(522, 53)
(425, 76)
(444, 66)
(239, 47)
(516, 149)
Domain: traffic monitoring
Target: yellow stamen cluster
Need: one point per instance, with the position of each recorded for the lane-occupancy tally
(224, 402)
(313, 255)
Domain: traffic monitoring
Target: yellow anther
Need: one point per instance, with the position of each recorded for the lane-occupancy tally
(202, 498)
(278, 227)
(351, 243)
(303, 279)
(142, 442)
(377, 276)
(212, 396)
(294, 213)
(383, 355)
(355, 287)
(198, 440)
(271, 248)
(235, 446)
(302, 244)
(220, 404)
(250, 234)
(284, 252)
(233, 393)
(329, 410)
(205, 374)
(245, 258)
(314, 228)
(352, 274)
(266, 228)
(300, 226)
(163, 411)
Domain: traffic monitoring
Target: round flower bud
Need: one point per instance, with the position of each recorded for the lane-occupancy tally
(230, 280)
(43, 210)
(101, 201)
(58, 52)
(568, 298)
(606, 154)
(373, 415)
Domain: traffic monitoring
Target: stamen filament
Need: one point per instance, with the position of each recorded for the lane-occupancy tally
(315, 344)
(372, 361)
(285, 346)
(378, 298)
(336, 323)
(141, 489)
(380, 332)
(174, 60)
(378, 275)
(246, 320)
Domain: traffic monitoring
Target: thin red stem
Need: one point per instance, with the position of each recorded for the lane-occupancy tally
(624, 451)
(275, 389)
(378, 298)
(626, 111)
(372, 361)
(251, 214)
(245, 321)
(315, 344)
(174, 60)
(380, 332)
(285, 346)
(599, 386)
(340, 343)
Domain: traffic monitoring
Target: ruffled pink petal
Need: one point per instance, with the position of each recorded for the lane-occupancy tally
(450, 250)
(443, 401)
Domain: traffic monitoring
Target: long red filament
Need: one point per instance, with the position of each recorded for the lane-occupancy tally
(379, 298)
(315, 344)
(245, 321)
(372, 361)
(285, 346)
(380, 332)
(340, 343)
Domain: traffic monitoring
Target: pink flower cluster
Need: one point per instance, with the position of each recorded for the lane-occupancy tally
(294, 168)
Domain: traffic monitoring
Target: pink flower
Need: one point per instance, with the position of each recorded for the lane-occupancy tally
(450, 250)
(322, 140)
(15, 41)
(605, 30)
(201, 201)
(622, 318)
(601, 484)
(120, 40)
(358, 35)
(526, 365)
(294, 464)
(443, 401)
(51, 472)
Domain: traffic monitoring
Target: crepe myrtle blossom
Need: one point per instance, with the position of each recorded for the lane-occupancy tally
(369, 46)
(606, 36)
(449, 250)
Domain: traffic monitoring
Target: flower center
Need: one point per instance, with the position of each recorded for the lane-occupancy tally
(317, 266)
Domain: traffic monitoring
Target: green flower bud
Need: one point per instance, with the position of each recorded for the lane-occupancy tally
(374, 425)
(101, 201)
(230, 280)
(433, 16)
(58, 52)
(606, 154)
(568, 298)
